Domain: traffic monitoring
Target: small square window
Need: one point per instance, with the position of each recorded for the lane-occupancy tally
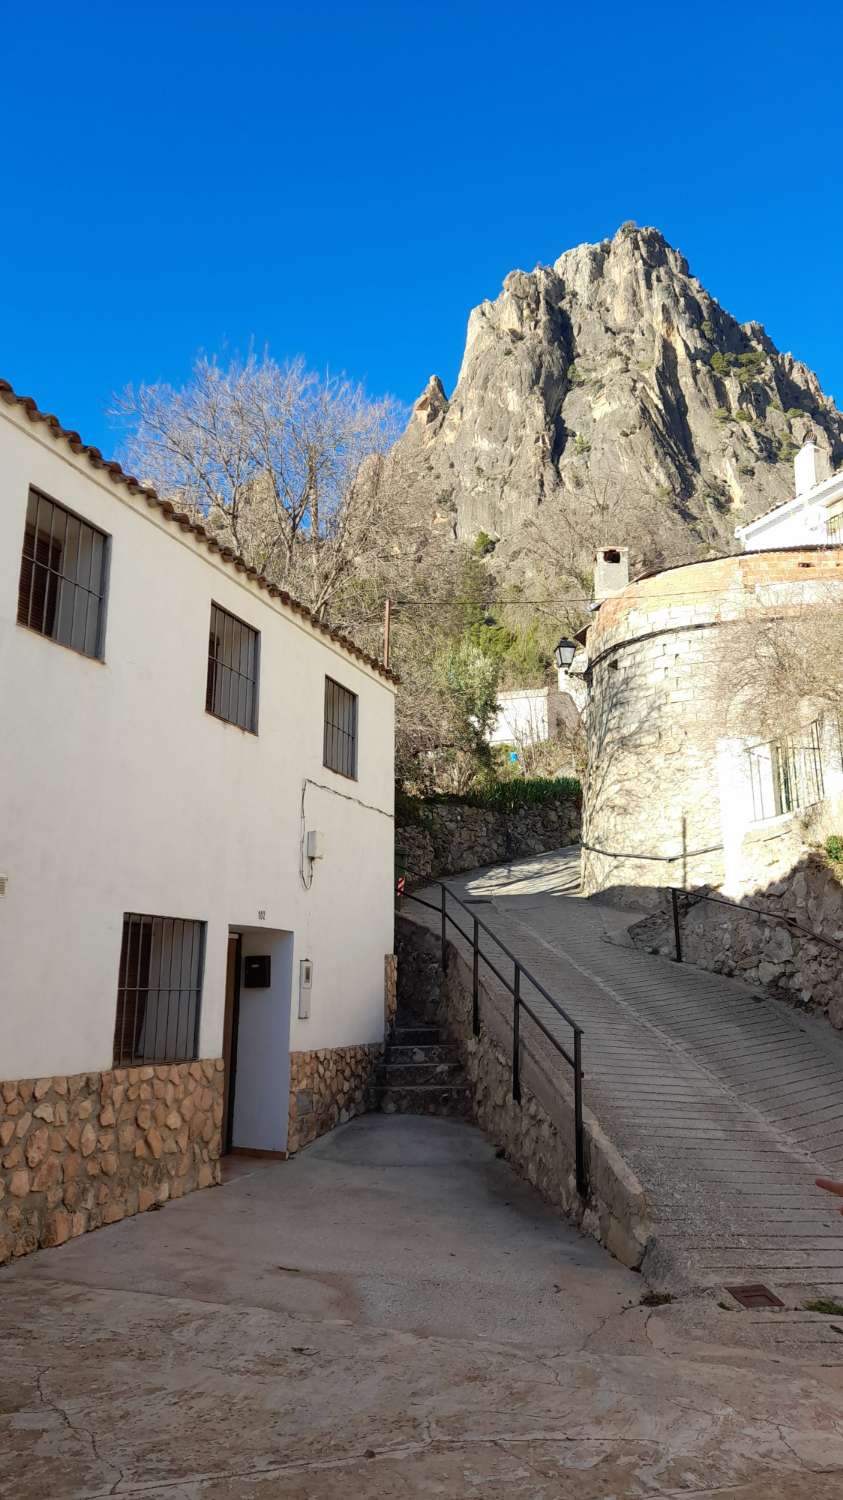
(232, 687)
(62, 576)
(340, 739)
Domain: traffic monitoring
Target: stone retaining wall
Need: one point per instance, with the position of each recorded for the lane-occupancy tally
(537, 1135)
(89, 1149)
(779, 958)
(452, 836)
(328, 1087)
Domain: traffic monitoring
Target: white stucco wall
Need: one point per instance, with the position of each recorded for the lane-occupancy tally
(118, 792)
(525, 717)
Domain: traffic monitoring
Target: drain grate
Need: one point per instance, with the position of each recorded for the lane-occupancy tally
(754, 1294)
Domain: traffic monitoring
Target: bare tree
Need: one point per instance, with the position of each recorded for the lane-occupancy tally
(284, 463)
(786, 667)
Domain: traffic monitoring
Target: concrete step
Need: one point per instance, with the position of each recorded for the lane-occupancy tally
(428, 1053)
(416, 1036)
(397, 1074)
(424, 1099)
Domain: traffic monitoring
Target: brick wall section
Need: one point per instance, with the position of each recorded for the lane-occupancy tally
(89, 1149)
(328, 1087)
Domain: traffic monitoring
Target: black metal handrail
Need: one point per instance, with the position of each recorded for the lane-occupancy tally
(694, 897)
(573, 1058)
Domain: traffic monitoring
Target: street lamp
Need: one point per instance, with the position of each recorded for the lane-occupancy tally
(564, 654)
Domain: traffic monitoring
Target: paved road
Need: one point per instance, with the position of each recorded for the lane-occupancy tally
(392, 1315)
(725, 1103)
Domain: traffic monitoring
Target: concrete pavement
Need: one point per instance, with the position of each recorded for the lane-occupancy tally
(393, 1314)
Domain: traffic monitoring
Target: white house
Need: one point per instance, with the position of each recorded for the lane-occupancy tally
(814, 517)
(196, 849)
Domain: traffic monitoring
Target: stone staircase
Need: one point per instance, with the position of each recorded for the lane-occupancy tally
(420, 1074)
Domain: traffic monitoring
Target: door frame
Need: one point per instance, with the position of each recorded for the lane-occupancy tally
(231, 1021)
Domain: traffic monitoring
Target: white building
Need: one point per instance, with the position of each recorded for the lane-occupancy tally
(528, 716)
(814, 517)
(196, 849)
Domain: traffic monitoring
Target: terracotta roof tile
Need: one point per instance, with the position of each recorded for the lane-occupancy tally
(179, 518)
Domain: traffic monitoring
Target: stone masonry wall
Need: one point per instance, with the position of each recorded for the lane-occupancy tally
(452, 836)
(89, 1149)
(781, 959)
(537, 1135)
(327, 1087)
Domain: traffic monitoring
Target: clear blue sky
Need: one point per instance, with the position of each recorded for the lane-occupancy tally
(346, 182)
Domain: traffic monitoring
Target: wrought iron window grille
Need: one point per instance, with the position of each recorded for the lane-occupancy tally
(61, 589)
(231, 691)
(159, 993)
(340, 736)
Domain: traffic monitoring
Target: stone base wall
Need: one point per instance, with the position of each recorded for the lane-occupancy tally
(390, 989)
(537, 1135)
(88, 1149)
(328, 1087)
(451, 836)
(784, 960)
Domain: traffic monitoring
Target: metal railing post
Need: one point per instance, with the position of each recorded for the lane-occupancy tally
(516, 1037)
(475, 984)
(677, 935)
(444, 923)
(579, 1131)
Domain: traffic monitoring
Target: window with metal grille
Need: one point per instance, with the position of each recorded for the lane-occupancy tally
(159, 990)
(340, 743)
(232, 688)
(62, 576)
(834, 527)
(787, 773)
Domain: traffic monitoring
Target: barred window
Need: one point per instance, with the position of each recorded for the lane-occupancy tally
(62, 576)
(787, 773)
(834, 529)
(159, 990)
(340, 742)
(232, 688)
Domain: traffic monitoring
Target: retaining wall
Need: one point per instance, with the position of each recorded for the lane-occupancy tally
(451, 836)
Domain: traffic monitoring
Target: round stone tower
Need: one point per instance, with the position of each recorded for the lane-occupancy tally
(679, 791)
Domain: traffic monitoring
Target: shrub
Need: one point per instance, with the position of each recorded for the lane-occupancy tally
(523, 791)
(483, 543)
(834, 848)
(708, 328)
(581, 444)
(720, 363)
(723, 414)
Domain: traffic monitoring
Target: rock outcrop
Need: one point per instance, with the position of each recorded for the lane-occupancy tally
(610, 378)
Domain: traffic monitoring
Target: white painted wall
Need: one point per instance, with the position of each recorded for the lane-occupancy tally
(118, 792)
(800, 522)
(525, 717)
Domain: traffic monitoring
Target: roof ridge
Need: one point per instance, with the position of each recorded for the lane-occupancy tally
(181, 519)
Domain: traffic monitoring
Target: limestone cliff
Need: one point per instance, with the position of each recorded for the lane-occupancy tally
(612, 373)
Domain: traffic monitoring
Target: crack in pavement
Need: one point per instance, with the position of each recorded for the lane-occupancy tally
(78, 1430)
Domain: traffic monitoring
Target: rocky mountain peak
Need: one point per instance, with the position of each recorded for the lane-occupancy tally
(612, 372)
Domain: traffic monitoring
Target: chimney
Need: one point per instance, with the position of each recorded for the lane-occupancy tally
(611, 572)
(810, 467)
